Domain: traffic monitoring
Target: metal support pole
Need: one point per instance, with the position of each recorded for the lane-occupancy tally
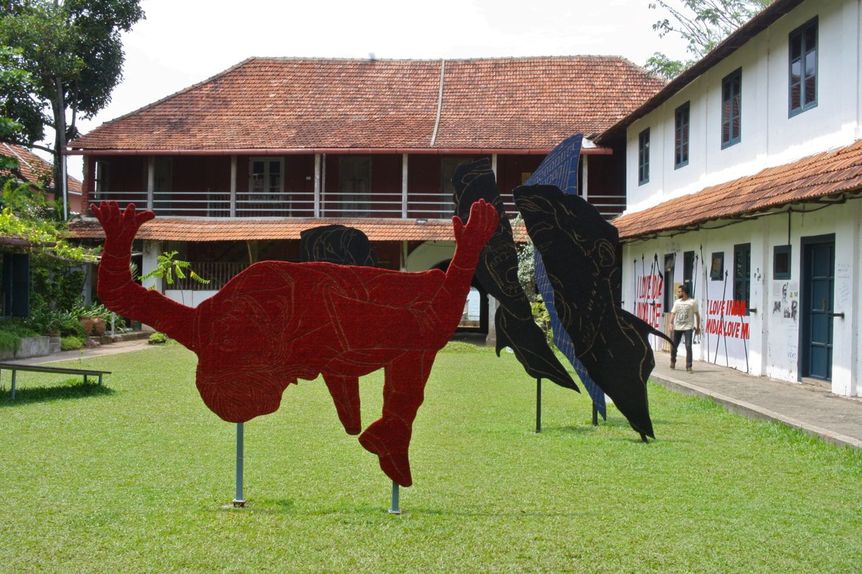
(395, 507)
(595, 415)
(13, 384)
(538, 405)
(239, 501)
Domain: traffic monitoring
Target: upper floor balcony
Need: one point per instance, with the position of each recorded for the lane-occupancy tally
(320, 185)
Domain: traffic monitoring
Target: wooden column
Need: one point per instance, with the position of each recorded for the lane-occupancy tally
(317, 180)
(233, 186)
(404, 173)
(151, 181)
(585, 176)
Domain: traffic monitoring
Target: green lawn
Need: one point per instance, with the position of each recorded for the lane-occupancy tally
(135, 478)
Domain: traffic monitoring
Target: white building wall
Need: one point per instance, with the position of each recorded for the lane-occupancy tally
(189, 298)
(429, 254)
(769, 136)
(149, 263)
(766, 341)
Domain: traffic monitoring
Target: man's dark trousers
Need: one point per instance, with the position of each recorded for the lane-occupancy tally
(677, 336)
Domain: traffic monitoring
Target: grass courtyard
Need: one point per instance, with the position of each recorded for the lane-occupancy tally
(135, 478)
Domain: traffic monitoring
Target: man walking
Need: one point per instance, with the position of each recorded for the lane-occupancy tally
(684, 317)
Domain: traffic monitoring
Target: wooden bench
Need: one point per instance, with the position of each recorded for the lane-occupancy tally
(15, 367)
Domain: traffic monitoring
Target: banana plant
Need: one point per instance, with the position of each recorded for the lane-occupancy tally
(168, 267)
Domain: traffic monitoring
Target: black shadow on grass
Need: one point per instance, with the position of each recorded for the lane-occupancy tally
(65, 391)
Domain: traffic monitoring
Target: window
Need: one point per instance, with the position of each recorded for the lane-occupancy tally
(354, 186)
(803, 68)
(781, 262)
(716, 267)
(688, 271)
(731, 102)
(265, 178)
(742, 273)
(643, 157)
(680, 138)
(102, 177)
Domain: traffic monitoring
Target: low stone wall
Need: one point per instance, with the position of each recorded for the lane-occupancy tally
(32, 347)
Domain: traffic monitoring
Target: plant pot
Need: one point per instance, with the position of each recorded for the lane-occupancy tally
(93, 326)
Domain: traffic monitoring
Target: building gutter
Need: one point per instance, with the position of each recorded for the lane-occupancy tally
(334, 151)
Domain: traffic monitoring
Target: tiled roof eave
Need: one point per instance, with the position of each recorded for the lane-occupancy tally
(334, 151)
(263, 229)
(825, 179)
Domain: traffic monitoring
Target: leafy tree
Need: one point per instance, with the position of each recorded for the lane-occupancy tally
(73, 53)
(702, 24)
(56, 273)
(20, 117)
(26, 215)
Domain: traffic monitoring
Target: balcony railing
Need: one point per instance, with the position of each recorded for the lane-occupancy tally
(302, 204)
(245, 204)
(217, 273)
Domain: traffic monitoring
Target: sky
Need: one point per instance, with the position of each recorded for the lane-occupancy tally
(182, 42)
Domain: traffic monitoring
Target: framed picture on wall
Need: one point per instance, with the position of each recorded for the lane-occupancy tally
(716, 268)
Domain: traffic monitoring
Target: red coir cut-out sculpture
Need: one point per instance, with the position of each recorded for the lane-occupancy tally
(277, 322)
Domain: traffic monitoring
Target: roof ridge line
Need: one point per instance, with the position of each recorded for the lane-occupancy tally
(14, 149)
(433, 60)
(439, 102)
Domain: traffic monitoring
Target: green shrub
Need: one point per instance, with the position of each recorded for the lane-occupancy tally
(97, 310)
(49, 321)
(158, 339)
(9, 341)
(71, 343)
(11, 333)
(542, 318)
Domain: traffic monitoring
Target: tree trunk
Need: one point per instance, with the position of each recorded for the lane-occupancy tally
(60, 182)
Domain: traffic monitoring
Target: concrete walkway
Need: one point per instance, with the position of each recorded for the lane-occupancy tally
(805, 406)
(100, 351)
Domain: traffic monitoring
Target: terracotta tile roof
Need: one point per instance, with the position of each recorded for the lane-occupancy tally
(537, 102)
(312, 104)
(174, 229)
(815, 177)
(31, 166)
(189, 229)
